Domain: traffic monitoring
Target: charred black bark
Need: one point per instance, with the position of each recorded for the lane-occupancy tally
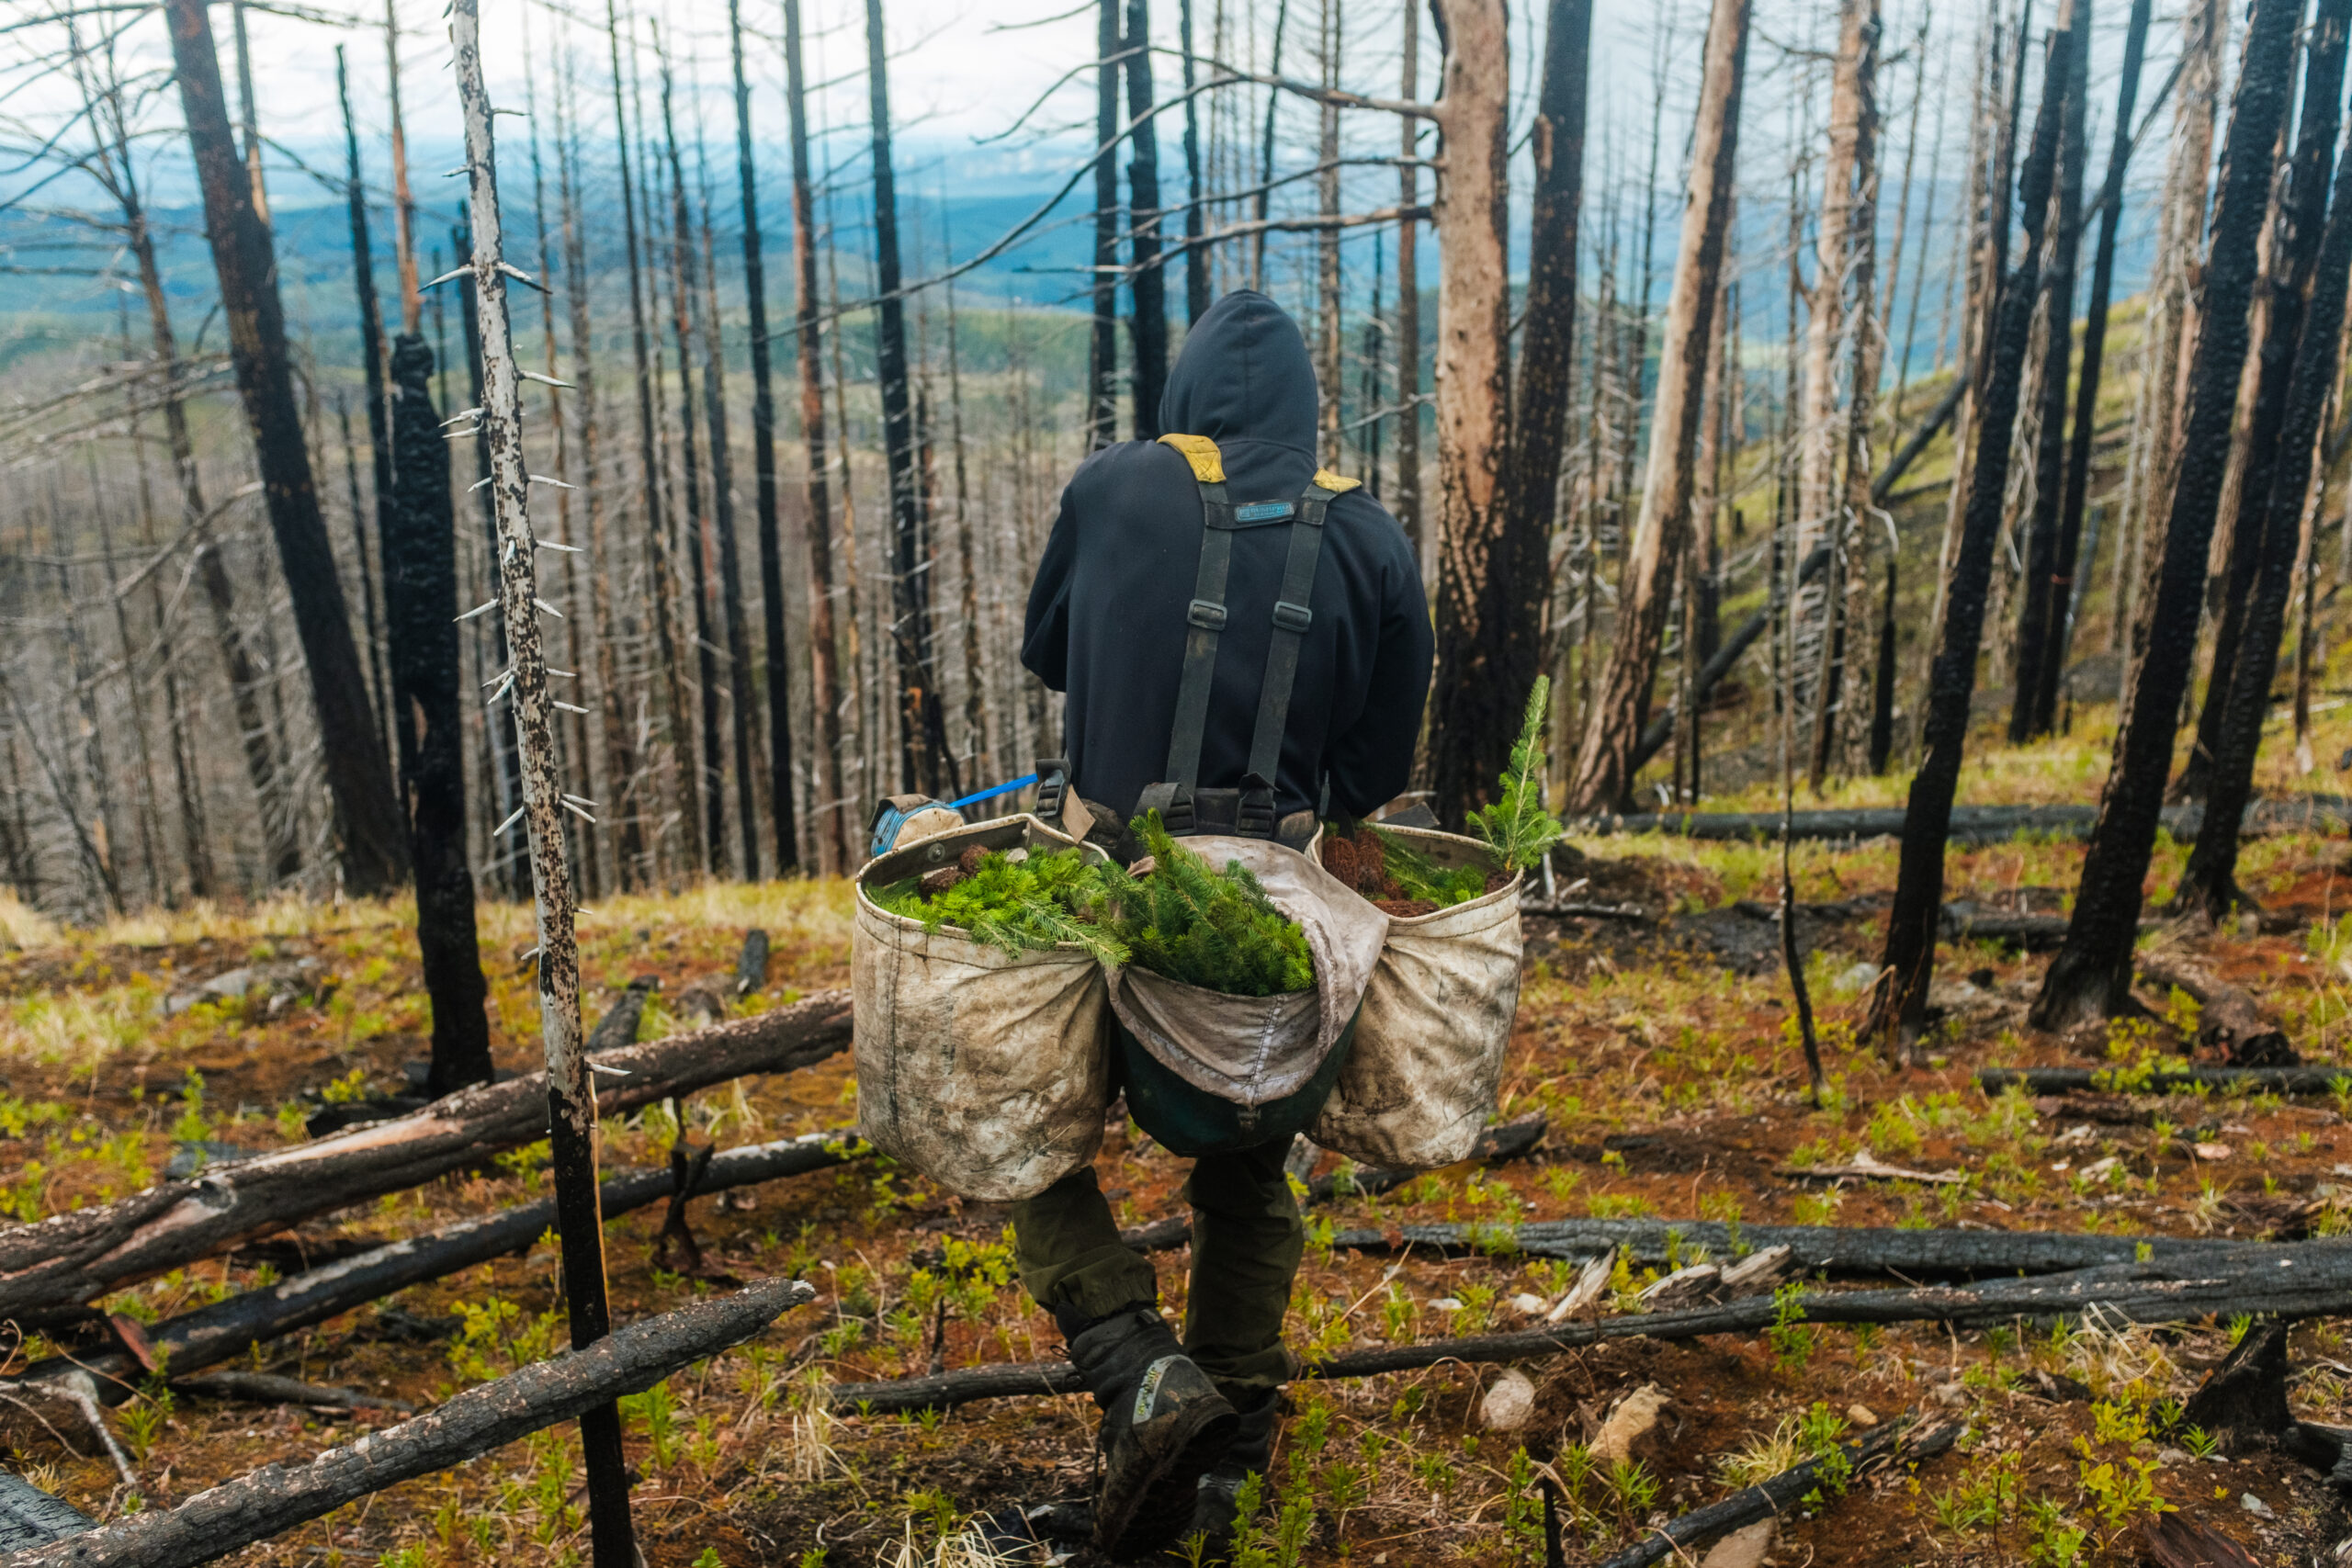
(1538, 426)
(1148, 327)
(1901, 1008)
(2043, 600)
(2301, 215)
(2209, 881)
(755, 288)
(2091, 976)
(923, 759)
(1196, 254)
(373, 856)
(428, 719)
(2065, 565)
(1102, 344)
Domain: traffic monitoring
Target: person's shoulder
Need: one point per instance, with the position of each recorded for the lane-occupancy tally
(1125, 459)
(1365, 521)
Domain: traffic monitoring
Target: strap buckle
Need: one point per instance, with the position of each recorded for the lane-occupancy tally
(1053, 783)
(1293, 617)
(1255, 819)
(1207, 615)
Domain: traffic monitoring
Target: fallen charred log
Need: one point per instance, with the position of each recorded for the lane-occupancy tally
(1971, 824)
(2131, 1292)
(1778, 1494)
(277, 1498)
(264, 1388)
(2165, 1080)
(1836, 1249)
(1506, 1140)
(227, 1327)
(56, 1265)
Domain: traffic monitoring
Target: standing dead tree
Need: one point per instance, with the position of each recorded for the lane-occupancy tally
(372, 854)
(2209, 883)
(925, 761)
(1531, 477)
(1487, 651)
(2279, 314)
(414, 522)
(1900, 1007)
(114, 170)
(1604, 772)
(778, 669)
(2067, 565)
(2091, 976)
(2042, 602)
(571, 1095)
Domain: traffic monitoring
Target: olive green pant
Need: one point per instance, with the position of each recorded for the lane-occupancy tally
(1247, 1242)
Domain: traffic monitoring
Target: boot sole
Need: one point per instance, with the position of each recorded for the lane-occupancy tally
(1162, 1504)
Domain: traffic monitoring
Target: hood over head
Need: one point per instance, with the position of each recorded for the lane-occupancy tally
(1244, 375)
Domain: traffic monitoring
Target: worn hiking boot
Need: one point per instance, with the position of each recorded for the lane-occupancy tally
(1216, 1510)
(1164, 1424)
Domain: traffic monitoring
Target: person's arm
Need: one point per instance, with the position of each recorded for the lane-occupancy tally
(1371, 763)
(1045, 635)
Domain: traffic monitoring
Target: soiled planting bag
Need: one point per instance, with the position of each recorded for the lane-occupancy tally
(1428, 1060)
(988, 1073)
(1251, 1051)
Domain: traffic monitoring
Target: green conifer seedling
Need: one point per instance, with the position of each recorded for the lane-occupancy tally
(1516, 826)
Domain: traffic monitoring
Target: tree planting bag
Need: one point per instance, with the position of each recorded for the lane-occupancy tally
(987, 1072)
(1253, 1051)
(1427, 1063)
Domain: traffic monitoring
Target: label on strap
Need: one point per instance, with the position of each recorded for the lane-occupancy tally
(1264, 512)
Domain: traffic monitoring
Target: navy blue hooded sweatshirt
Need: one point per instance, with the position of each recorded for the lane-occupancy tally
(1106, 614)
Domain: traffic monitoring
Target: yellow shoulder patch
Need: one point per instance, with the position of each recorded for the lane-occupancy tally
(1208, 463)
(1335, 483)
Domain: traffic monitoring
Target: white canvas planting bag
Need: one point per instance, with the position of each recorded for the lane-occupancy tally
(1427, 1065)
(987, 1072)
(1251, 1051)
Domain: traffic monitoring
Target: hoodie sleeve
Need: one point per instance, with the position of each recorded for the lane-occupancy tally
(1371, 763)
(1045, 635)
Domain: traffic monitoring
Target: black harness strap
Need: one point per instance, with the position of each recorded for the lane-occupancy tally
(1249, 811)
(1292, 617)
(1204, 620)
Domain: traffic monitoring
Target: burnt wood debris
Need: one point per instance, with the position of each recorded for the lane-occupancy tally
(1879, 471)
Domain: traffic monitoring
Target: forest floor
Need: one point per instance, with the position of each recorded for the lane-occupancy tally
(1662, 1050)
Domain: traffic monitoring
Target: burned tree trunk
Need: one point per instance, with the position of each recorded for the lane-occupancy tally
(2209, 885)
(924, 760)
(824, 683)
(2059, 633)
(2091, 976)
(1487, 642)
(731, 567)
(571, 1091)
(711, 782)
(1530, 487)
(2280, 310)
(662, 590)
(373, 857)
(1147, 277)
(1899, 1011)
(420, 612)
(2041, 603)
(1102, 345)
(620, 746)
(1196, 254)
(1604, 773)
(1405, 504)
(1817, 617)
(755, 286)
